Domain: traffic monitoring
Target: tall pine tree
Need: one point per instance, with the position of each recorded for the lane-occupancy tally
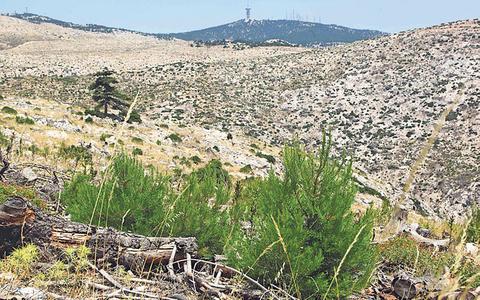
(105, 92)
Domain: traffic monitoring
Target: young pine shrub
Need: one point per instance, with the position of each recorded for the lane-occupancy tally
(200, 209)
(130, 199)
(302, 228)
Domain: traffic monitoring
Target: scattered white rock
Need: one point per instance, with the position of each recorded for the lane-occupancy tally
(30, 293)
(29, 174)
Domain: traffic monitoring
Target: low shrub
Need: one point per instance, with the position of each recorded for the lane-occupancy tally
(24, 120)
(268, 157)
(200, 209)
(130, 199)
(27, 193)
(20, 262)
(196, 160)
(164, 126)
(137, 151)
(174, 137)
(246, 169)
(94, 112)
(135, 117)
(9, 110)
(137, 140)
(80, 154)
(4, 140)
(295, 230)
(105, 136)
(89, 120)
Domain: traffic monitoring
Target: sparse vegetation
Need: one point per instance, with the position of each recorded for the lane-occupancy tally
(20, 262)
(174, 137)
(11, 190)
(9, 110)
(195, 159)
(89, 120)
(137, 151)
(137, 140)
(246, 169)
(24, 120)
(105, 136)
(80, 154)
(268, 157)
(473, 231)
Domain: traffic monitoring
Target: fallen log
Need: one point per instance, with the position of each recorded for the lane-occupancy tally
(21, 222)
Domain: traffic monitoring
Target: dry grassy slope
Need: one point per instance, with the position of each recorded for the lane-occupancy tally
(380, 97)
(57, 123)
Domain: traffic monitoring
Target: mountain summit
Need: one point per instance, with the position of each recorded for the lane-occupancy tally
(251, 31)
(295, 32)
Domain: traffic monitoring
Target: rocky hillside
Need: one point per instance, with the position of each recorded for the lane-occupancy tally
(381, 98)
(294, 32)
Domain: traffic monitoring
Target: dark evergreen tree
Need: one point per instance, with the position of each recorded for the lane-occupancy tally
(106, 94)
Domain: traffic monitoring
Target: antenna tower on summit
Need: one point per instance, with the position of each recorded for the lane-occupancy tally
(248, 11)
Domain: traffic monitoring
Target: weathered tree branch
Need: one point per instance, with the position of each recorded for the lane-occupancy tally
(20, 223)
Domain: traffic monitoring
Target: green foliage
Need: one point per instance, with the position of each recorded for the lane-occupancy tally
(20, 262)
(137, 140)
(105, 136)
(195, 159)
(137, 151)
(106, 94)
(9, 110)
(34, 149)
(58, 271)
(402, 251)
(134, 117)
(89, 120)
(10, 190)
(2, 98)
(93, 112)
(4, 141)
(164, 126)
(302, 226)
(174, 137)
(200, 209)
(130, 199)
(268, 157)
(473, 231)
(246, 169)
(78, 257)
(24, 120)
(80, 154)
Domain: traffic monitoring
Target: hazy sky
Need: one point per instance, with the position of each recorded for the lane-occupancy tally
(182, 15)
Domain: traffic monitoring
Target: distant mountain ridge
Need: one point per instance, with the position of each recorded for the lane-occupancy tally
(37, 19)
(294, 32)
(249, 31)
